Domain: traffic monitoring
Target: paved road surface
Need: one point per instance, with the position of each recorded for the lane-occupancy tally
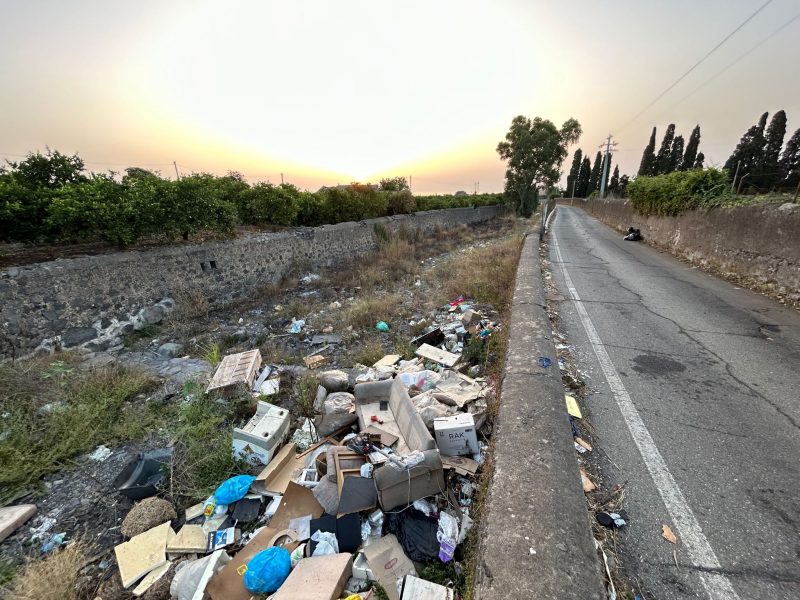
(696, 400)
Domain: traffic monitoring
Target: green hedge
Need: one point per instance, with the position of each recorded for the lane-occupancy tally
(37, 206)
(679, 191)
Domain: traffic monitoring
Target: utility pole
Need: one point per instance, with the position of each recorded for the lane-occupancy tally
(606, 160)
(735, 175)
(281, 178)
(177, 175)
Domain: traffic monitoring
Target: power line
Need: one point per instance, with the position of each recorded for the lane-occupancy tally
(697, 64)
(750, 51)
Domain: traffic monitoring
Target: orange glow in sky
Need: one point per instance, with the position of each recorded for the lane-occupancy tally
(332, 92)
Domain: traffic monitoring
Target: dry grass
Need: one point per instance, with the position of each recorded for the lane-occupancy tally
(364, 313)
(370, 353)
(55, 410)
(54, 577)
(191, 302)
(485, 274)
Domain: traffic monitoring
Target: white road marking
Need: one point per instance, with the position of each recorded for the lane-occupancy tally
(717, 586)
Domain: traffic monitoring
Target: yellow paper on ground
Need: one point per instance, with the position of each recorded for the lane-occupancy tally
(572, 407)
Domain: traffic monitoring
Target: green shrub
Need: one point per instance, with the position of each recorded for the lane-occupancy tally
(679, 191)
(265, 203)
(400, 203)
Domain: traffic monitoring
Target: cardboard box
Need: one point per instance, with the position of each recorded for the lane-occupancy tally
(280, 471)
(257, 441)
(389, 563)
(456, 435)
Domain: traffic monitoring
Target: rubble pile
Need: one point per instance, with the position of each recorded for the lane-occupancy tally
(377, 485)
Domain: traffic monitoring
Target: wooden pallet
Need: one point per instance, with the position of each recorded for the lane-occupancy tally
(236, 370)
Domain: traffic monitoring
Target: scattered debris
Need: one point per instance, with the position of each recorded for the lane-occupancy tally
(142, 476)
(572, 407)
(236, 370)
(611, 519)
(667, 534)
(634, 235)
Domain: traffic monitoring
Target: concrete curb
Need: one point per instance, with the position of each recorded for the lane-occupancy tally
(535, 501)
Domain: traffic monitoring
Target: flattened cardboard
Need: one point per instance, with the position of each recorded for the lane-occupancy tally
(228, 583)
(388, 563)
(280, 471)
(317, 578)
(142, 553)
(448, 359)
(14, 517)
(387, 439)
(460, 464)
(387, 361)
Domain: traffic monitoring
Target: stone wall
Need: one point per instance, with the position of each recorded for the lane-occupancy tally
(759, 242)
(91, 301)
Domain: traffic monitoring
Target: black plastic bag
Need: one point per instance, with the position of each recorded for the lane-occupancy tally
(416, 534)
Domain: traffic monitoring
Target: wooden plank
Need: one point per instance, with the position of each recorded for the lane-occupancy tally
(13, 517)
(448, 359)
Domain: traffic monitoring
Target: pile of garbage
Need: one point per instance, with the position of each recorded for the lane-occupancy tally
(377, 485)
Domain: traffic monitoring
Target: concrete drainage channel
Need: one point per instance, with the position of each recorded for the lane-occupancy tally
(536, 540)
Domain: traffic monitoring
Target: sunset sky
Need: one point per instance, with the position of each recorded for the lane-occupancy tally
(332, 92)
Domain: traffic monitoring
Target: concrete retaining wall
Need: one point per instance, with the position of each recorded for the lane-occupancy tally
(760, 242)
(537, 541)
(90, 301)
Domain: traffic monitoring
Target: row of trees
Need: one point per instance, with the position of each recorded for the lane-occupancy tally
(50, 197)
(585, 178)
(758, 158)
(672, 156)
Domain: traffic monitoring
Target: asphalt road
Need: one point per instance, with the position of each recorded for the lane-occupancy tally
(695, 399)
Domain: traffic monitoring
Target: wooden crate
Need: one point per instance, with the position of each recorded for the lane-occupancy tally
(236, 370)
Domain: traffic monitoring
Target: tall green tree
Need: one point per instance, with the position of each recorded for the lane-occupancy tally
(692, 146)
(51, 170)
(698, 162)
(676, 154)
(534, 151)
(613, 185)
(574, 171)
(749, 152)
(583, 178)
(623, 185)
(594, 177)
(647, 166)
(790, 161)
(664, 156)
(770, 173)
(393, 184)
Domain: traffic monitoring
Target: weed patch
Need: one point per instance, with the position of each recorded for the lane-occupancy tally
(53, 411)
(54, 577)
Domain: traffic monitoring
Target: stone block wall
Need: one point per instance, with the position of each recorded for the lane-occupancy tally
(759, 242)
(90, 301)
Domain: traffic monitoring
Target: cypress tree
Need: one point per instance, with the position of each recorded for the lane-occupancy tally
(770, 175)
(583, 178)
(790, 161)
(648, 162)
(623, 185)
(749, 152)
(698, 162)
(676, 154)
(594, 178)
(613, 185)
(692, 146)
(664, 156)
(574, 171)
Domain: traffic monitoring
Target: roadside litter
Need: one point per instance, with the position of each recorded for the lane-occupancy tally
(381, 476)
(634, 235)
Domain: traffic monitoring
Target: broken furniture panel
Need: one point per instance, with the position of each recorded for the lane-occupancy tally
(142, 553)
(448, 359)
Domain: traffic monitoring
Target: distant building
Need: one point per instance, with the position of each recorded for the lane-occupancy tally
(461, 193)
